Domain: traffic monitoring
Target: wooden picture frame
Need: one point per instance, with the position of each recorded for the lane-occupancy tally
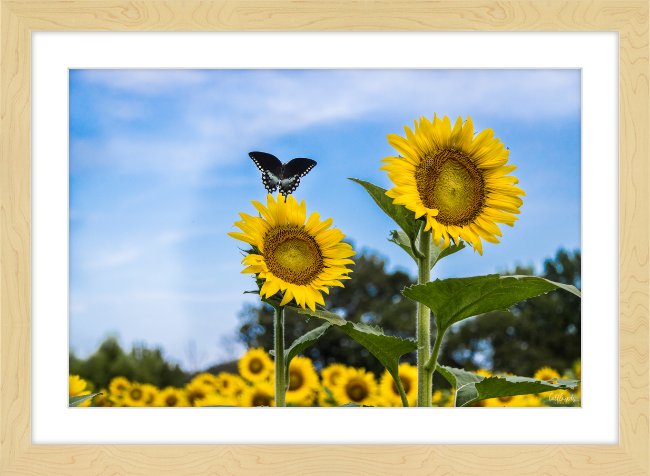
(19, 456)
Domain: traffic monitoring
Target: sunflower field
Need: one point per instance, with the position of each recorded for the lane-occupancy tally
(452, 189)
(335, 385)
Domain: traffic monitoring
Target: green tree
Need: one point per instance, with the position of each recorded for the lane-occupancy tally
(140, 365)
(372, 296)
(544, 331)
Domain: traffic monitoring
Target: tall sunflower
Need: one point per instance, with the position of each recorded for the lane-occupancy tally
(303, 382)
(256, 365)
(298, 258)
(356, 386)
(456, 181)
(408, 374)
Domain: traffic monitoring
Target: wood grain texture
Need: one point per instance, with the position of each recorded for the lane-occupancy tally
(19, 457)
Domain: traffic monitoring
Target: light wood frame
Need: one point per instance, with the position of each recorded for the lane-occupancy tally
(19, 457)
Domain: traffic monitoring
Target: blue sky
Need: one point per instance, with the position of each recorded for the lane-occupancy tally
(159, 170)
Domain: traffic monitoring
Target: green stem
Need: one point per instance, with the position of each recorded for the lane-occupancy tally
(402, 393)
(280, 383)
(433, 360)
(424, 324)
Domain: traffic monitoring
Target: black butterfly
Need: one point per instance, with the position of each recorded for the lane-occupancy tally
(276, 173)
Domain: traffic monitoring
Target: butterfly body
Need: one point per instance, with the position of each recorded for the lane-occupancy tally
(276, 175)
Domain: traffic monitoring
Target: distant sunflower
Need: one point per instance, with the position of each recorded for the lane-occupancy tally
(207, 380)
(456, 181)
(299, 258)
(261, 394)
(546, 374)
(196, 390)
(256, 365)
(577, 369)
(150, 393)
(332, 373)
(118, 386)
(134, 396)
(356, 386)
(171, 397)
(303, 382)
(408, 374)
(103, 400)
(77, 387)
(228, 384)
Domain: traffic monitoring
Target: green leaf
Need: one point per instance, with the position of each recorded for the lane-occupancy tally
(402, 240)
(301, 343)
(437, 254)
(399, 213)
(387, 349)
(78, 400)
(352, 404)
(455, 299)
(471, 388)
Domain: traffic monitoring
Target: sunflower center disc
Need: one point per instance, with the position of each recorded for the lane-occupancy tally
(260, 400)
(357, 391)
(255, 366)
(450, 182)
(292, 255)
(136, 394)
(171, 400)
(505, 399)
(295, 380)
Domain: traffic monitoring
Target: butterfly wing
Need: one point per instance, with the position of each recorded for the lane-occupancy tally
(271, 168)
(299, 166)
(270, 181)
(293, 170)
(289, 185)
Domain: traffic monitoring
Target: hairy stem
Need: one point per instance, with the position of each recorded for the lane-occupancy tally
(424, 324)
(280, 383)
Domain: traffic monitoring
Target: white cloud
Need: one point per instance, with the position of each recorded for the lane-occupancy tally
(112, 258)
(143, 81)
(220, 112)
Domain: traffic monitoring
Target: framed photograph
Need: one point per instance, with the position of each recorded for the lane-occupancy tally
(106, 128)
